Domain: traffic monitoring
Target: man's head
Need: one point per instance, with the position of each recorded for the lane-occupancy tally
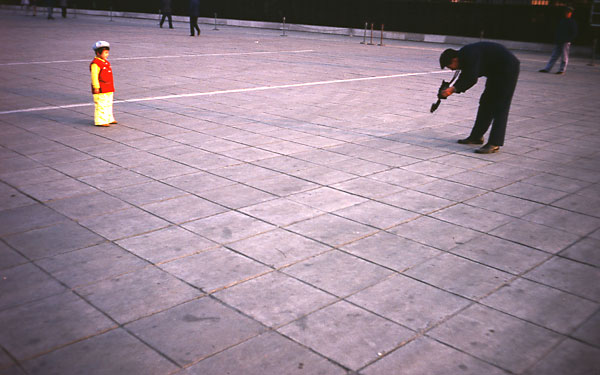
(449, 59)
(568, 12)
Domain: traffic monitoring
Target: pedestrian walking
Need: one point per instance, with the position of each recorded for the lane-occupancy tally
(166, 13)
(565, 34)
(194, 13)
(103, 87)
(50, 5)
(501, 68)
(63, 8)
(25, 4)
(33, 4)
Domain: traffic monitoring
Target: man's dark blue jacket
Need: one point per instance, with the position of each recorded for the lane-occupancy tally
(488, 59)
(194, 8)
(566, 31)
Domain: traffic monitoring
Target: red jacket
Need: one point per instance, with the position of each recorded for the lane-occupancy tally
(105, 77)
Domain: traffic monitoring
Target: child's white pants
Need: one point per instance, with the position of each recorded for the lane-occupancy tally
(103, 113)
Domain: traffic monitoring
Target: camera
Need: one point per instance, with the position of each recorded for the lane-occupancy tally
(443, 87)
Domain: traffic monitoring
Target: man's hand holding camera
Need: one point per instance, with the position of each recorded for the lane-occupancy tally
(443, 94)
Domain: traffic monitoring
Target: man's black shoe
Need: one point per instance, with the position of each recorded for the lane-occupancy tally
(470, 141)
(487, 149)
(543, 71)
(559, 73)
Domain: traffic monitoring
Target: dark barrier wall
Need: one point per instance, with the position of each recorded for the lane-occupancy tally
(492, 17)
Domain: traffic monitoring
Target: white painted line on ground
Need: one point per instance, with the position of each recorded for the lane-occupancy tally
(160, 57)
(48, 108)
(221, 92)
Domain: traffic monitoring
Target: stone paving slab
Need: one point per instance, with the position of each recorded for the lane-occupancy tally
(46, 321)
(128, 355)
(272, 205)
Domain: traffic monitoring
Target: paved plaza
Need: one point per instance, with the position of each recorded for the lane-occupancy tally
(274, 205)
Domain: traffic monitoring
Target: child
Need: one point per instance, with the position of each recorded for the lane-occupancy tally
(102, 85)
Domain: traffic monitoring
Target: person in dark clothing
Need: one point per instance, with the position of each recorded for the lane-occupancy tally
(501, 67)
(194, 13)
(33, 4)
(166, 13)
(63, 8)
(50, 5)
(565, 34)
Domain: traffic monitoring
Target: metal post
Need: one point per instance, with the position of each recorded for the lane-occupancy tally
(365, 35)
(216, 22)
(381, 41)
(283, 27)
(371, 42)
(110, 13)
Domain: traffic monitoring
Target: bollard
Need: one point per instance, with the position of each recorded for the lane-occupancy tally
(110, 12)
(481, 35)
(283, 27)
(75, 10)
(371, 42)
(216, 28)
(159, 16)
(365, 35)
(381, 41)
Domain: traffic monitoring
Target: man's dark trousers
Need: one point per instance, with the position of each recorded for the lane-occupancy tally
(494, 105)
(162, 20)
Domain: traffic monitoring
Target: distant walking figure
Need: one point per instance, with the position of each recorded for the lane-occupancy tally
(34, 6)
(63, 8)
(194, 13)
(25, 4)
(166, 13)
(50, 5)
(565, 34)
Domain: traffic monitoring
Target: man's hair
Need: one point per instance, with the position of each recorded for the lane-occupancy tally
(447, 56)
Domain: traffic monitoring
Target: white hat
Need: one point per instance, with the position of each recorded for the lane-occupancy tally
(100, 44)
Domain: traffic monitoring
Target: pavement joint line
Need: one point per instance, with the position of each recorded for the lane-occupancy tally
(221, 92)
(161, 57)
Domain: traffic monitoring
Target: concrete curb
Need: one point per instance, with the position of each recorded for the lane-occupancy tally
(580, 51)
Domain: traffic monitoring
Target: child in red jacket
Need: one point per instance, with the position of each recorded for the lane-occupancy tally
(102, 85)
